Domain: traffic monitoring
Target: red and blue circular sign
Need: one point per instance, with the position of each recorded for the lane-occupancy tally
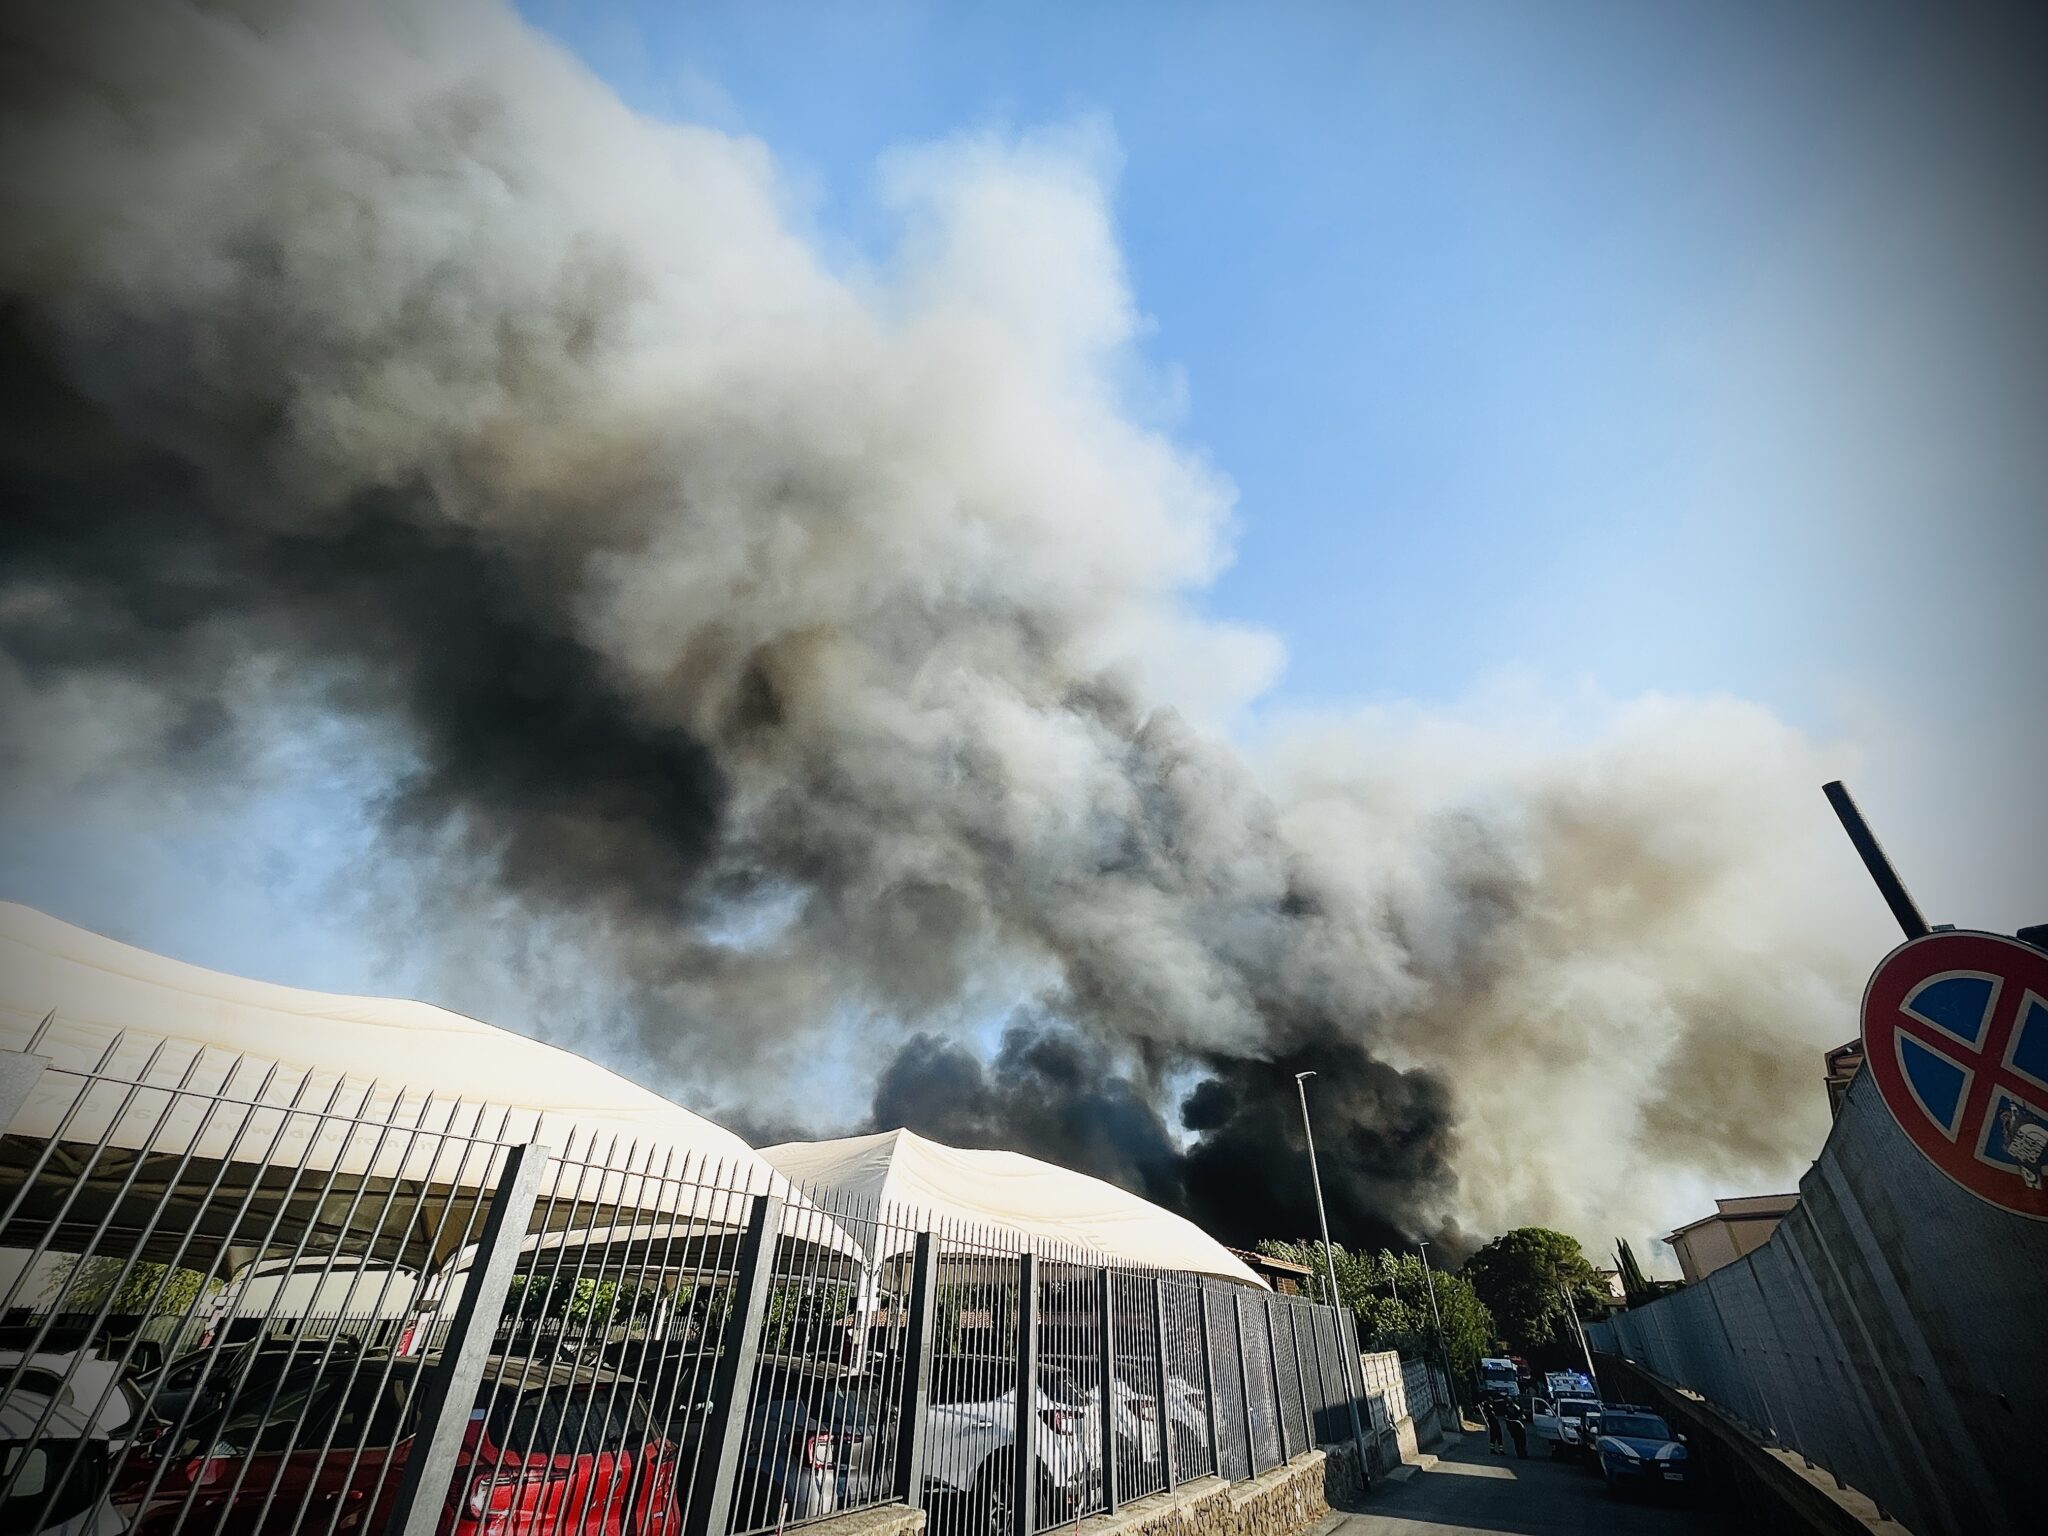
(1955, 1032)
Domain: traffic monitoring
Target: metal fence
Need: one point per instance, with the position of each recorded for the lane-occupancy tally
(1891, 1331)
(438, 1325)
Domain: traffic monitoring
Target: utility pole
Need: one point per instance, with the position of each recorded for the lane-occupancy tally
(1579, 1333)
(1316, 1178)
(1443, 1345)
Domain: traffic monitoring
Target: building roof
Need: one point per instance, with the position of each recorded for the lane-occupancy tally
(1255, 1260)
(1006, 1192)
(1742, 1208)
(138, 1016)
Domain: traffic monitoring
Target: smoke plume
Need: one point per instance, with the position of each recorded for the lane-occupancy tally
(817, 645)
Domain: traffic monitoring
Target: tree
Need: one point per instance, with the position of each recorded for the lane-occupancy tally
(1520, 1275)
(88, 1283)
(1638, 1287)
(1390, 1294)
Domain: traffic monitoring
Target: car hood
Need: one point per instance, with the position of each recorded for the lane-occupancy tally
(1649, 1450)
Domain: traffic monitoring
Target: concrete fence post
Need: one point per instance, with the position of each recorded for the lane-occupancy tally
(1024, 1470)
(449, 1390)
(917, 1371)
(732, 1382)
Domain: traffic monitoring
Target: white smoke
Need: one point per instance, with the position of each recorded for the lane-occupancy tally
(873, 589)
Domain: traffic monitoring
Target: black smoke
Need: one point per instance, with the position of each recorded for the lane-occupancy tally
(1240, 1172)
(522, 745)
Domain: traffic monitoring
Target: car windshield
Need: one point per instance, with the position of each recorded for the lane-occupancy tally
(1634, 1426)
(578, 1420)
(1574, 1410)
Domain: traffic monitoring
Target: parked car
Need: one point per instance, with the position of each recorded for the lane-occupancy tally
(1637, 1449)
(550, 1448)
(61, 1429)
(194, 1386)
(809, 1444)
(1561, 1423)
(78, 1379)
(1137, 1414)
(971, 1435)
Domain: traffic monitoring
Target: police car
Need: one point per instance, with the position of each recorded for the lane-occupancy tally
(1638, 1450)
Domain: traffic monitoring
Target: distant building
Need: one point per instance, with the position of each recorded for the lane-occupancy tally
(1609, 1281)
(1842, 1062)
(1737, 1227)
(1284, 1275)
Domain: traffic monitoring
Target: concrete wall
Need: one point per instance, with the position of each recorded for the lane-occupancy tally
(1409, 1407)
(1894, 1329)
(1764, 1491)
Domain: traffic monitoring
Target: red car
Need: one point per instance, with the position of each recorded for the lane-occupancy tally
(552, 1450)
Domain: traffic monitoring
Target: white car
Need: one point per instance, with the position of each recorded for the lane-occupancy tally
(971, 1431)
(1563, 1423)
(1135, 1414)
(86, 1415)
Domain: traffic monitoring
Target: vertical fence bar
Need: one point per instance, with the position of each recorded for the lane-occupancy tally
(1353, 1356)
(1208, 1377)
(732, 1380)
(1308, 1423)
(1160, 1413)
(1105, 1357)
(1320, 1427)
(1244, 1382)
(917, 1371)
(1273, 1370)
(1024, 1491)
(446, 1395)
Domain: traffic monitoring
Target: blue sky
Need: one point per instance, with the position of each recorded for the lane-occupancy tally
(1584, 340)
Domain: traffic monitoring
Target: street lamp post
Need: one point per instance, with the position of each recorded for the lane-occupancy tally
(1316, 1178)
(1315, 1175)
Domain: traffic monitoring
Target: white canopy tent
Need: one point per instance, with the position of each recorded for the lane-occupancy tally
(127, 1016)
(1009, 1192)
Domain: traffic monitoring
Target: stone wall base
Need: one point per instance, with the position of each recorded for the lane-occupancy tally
(1286, 1500)
(1283, 1502)
(883, 1520)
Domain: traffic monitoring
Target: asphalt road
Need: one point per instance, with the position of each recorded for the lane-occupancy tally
(1470, 1490)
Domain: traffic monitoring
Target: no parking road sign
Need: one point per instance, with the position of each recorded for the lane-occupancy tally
(1955, 1028)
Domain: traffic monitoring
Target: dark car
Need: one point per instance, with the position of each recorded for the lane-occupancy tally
(810, 1441)
(1637, 1449)
(198, 1384)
